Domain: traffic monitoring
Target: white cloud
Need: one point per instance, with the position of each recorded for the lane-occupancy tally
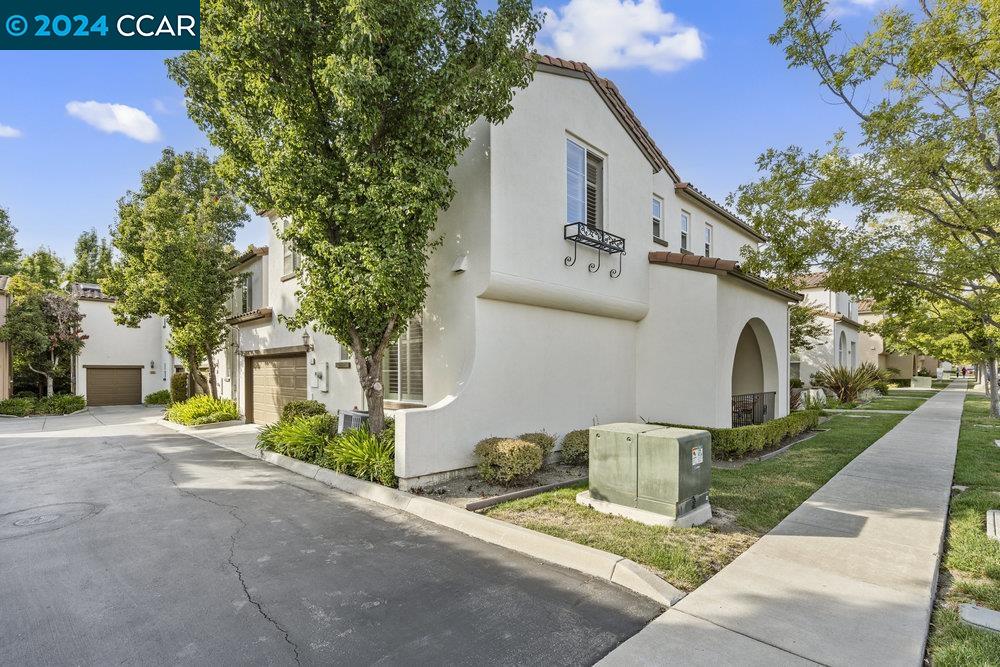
(110, 118)
(838, 8)
(617, 34)
(8, 132)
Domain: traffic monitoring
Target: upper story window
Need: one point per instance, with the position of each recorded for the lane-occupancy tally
(403, 365)
(244, 292)
(657, 214)
(685, 230)
(584, 186)
(291, 259)
(708, 240)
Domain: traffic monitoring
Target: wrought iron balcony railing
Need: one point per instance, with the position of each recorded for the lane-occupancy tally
(598, 239)
(751, 409)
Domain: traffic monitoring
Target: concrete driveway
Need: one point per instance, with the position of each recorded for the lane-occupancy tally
(124, 542)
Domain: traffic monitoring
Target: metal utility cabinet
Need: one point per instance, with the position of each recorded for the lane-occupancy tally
(654, 469)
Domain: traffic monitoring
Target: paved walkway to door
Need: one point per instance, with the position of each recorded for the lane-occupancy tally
(848, 578)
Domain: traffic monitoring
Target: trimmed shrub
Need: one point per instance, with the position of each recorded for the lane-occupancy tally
(303, 438)
(507, 461)
(847, 383)
(542, 440)
(796, 383)
(203, 409)
(19, 407)
(359, 453)
(179, 387)
(576, 447)
(60, 404)
(161, 397)
(733, 443)
(297, 409)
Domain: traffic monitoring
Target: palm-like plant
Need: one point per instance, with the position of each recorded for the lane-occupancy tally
(365, 455)
(848, 383)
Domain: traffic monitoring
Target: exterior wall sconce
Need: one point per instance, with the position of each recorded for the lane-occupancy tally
(306, 341)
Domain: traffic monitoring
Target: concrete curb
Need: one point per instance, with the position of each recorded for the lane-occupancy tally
(199, 427)
(594, 562)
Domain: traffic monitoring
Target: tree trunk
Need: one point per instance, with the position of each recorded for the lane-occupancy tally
(192, 369)
(211, 374)
(371, 383)
(49, 385)
(994, 393)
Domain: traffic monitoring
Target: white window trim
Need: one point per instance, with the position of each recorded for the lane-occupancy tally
(685, 230)
(658, 199)
(602, 156)
(709, 239)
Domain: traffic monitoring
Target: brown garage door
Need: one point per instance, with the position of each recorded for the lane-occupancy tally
(114, 385)
(274, 382)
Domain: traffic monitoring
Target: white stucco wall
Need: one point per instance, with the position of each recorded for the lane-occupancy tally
(110, 344)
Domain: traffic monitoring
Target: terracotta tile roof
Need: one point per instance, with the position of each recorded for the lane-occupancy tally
(619, 107)
(867, 306)
(88, 292)
(248, 255)
(251, 316)
(698, 195)
(811, 280)
(716, 265)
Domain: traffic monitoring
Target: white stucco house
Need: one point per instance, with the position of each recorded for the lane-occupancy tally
(580, 281)
(118, 365)
(874, 350)
(840, 316)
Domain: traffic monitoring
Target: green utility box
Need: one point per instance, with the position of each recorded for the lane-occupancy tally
(614, 450)
(674, 471)
(662, 470)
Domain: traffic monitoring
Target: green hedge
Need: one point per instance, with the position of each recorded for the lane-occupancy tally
(203, 409)
(161, 397)
(734, 443)
(507, 461)
(576, 447)
(60, 404)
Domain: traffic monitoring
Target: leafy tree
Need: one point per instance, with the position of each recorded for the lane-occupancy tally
(43, 267)
(805, 329)
(345, 118)
(43, 328)
(175, 237)
(924, 178)
(10, 254)
(92, 258)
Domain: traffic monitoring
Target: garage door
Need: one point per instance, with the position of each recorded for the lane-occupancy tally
(275, 381)
(114, 385)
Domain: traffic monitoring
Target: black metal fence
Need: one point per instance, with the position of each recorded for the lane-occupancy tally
(753, 408)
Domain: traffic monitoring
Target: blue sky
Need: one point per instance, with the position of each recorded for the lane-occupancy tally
(700, 74)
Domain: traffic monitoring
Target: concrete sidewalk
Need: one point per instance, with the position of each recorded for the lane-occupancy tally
(848, 578)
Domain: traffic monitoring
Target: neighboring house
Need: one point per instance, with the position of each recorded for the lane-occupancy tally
(118, 365)
(840, 315)
(873, 349)
(579, 281)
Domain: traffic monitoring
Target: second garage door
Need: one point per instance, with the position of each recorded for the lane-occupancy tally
(114, 385)
(275, 382)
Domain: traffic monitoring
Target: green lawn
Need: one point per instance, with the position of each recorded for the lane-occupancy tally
(753, 499)
(971, 567)
(914, 393)
(893, 403)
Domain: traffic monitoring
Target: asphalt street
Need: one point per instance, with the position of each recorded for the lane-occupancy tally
(122, 542)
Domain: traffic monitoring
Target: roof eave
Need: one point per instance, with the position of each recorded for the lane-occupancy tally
(698, 196)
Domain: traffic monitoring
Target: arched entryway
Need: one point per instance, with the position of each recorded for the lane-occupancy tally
(842, 350)
(755, 375)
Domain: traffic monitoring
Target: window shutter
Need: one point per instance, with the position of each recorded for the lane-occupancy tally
(595, 179)
(576, 158)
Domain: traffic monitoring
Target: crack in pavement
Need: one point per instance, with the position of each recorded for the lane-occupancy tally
(231, 559)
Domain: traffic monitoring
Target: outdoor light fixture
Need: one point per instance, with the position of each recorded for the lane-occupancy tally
(305, 341)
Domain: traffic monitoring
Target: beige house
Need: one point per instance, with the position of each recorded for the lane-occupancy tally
(873, 349)
(839, 313)
(579, 280)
